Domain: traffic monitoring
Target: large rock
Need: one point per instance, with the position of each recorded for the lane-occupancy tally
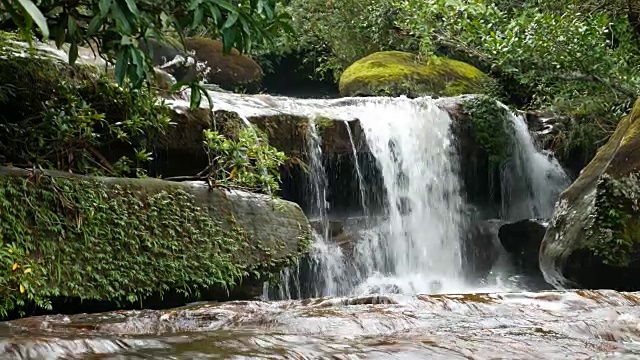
(522, 240)
(232, 71)
(594, 237)
(115, 240)
(480, 248)
(394, 73)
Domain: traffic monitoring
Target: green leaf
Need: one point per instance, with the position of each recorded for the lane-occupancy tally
(122, 64)
(196, 97)
(131, 4)
(73, 53)
(94, 25)
(123, 23)
(34, 13)
(231, 20)
(104, 6)
(72, 26)
(228, 37)
(198, 15)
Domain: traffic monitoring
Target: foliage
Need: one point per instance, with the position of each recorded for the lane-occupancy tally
(334, 34)
(90, 240)
(489, 126)
(582, 63)
(59, 117)
(249, 162)
(116, 28)
(616, 226)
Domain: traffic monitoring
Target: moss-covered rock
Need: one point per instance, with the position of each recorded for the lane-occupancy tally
(393, 73)
(594, 237)
(124, 241)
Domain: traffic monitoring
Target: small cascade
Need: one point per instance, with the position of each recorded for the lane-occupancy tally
(532, 180)
(420, 241)
(414, 227)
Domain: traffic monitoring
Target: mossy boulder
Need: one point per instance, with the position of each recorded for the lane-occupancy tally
(594, 237)
(394, 73)
(125, 242)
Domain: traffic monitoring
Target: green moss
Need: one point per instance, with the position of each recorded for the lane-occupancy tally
(615, 233)
(87, 239)
(490, 128)
(399, 73)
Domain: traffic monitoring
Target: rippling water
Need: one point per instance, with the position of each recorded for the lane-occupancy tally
(545, 325)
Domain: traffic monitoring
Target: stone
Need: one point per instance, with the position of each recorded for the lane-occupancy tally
(274, 232)
(479, 248)
(232, 71)
(593, 240)
(394, 73)
(522, 240)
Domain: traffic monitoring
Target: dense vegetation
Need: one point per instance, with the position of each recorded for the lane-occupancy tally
(577, 58)
(91, 240)
(83, 239)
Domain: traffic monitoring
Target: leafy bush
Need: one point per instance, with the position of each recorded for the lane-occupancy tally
(62, 118)
(248, 163)
(581, 64)
(116, 28)
(334, 34)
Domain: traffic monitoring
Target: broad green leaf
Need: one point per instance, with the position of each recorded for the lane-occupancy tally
(34, 13)
(72, 26)
(94, 25)
(104, 6)
(228, 38)
(73, 53)
(231, 20)
(198, 15)
(122, 64)
(131, 4)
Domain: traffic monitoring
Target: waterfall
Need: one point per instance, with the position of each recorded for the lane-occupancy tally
(412, 242)
(419, 243)
(532, 180)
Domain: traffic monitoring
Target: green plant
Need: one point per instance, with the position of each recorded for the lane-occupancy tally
(576, 58)
(333, 34)
(116, 28)
(248, 163)
(86, 239)
(490, 128)
(63, 118)
(615, 230)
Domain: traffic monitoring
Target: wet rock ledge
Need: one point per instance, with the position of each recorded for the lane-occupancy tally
(73, 243)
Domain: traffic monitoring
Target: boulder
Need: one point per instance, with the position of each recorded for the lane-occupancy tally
(593, 240)
(233, 71)
(394, 73)
(479, 248)
(522, 240)
(144, 242)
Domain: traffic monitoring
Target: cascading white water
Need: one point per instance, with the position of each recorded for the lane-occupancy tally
(420, 243)
(415, 246)
(327, 258)
(532, 180)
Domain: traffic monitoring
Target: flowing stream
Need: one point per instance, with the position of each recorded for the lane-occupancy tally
(399, 293)
(545, 325)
